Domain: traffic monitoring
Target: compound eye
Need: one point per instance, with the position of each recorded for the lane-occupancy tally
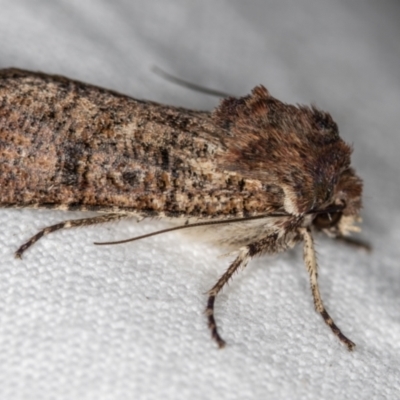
(328, 220)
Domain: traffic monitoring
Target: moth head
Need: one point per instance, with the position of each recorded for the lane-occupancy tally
(296, 148)
(342, 212)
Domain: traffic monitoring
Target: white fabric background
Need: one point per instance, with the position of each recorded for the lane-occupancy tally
(126, 322)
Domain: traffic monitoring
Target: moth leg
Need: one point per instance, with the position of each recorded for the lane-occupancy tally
(312, 268)
(354, 242)
(241, 261)
(66, 225)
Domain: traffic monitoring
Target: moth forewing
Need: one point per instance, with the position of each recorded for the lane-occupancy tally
(256, 175)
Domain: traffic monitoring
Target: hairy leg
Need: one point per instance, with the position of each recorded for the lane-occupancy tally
(241, 261)
(312, 268)
(268, 244)
(66, 225)
(354, 242)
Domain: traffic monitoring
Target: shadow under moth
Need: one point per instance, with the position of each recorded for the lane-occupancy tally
(258, 174)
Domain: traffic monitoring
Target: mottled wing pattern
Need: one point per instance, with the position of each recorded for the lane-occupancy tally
(68, 145)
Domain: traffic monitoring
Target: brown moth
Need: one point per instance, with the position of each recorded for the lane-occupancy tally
(261, 174)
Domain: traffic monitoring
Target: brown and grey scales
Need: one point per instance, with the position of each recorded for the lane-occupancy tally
(71, 145)
(64, 144)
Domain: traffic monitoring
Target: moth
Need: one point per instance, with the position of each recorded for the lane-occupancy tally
(257, 174)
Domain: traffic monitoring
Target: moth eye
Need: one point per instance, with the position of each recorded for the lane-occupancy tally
(328, 220)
